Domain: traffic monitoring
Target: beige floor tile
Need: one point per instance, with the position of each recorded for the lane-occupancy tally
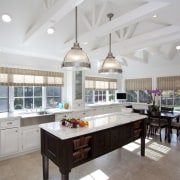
(162, 161)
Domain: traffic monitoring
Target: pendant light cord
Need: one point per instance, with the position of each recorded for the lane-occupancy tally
(110, 16)
(76, 25)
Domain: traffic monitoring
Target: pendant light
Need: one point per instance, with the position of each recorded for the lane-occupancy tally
(110, 64)
(76, 58)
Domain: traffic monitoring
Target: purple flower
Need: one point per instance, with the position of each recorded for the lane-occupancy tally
(155, 92)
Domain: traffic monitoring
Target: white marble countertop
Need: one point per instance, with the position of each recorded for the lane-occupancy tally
(96, 123)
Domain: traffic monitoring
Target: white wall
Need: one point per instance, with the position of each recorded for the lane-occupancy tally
(157, 66)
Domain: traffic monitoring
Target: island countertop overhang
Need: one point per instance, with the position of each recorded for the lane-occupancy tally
(96, 123)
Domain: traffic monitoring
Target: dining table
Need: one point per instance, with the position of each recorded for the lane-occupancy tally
(169, 116)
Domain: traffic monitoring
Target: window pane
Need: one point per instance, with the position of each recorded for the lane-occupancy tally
(96, 99)
(132, 96)
(3, 104)
(177, 99)
(53, 102)
(37, 102)
(37, 91)
(167, 98)
(28, 103)
(57, 91)
(4, 91)
(53, 96)
(49, 91)
(28, 91)
(18, 91)
(104, 98)
(18, 103)
(144, 96)
(96, 92)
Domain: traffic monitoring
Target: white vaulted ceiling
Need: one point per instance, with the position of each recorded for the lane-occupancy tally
(135, 33)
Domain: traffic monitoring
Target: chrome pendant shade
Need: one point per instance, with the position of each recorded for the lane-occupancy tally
(110, 64)
(76, 58)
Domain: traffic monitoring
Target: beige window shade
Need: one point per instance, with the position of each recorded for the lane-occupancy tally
(100, 83)
(138, 84)
(25, 77)
(89, 84)
(168, 83)
(3, 78)
(113, 85)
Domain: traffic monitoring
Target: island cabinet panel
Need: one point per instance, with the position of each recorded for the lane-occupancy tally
(101, 143)
(121, 135)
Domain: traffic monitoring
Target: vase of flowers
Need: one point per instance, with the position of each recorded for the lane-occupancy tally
(155, 106)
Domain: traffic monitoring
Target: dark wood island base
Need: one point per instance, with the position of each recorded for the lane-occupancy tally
(68, 153)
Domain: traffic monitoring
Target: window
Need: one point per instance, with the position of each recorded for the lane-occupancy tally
(131, 96)
(171, 98)
(95, 96)
(144, 96)
(4, 99)
(99, 96)
(53, 96)
(28, 97)
(89, 96)
(111, 95)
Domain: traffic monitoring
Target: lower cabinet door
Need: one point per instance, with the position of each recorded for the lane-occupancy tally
(30, 139)
(101, 143)
(9, 141)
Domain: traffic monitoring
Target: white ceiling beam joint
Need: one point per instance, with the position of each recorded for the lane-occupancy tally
(130, 31)
(123, 21)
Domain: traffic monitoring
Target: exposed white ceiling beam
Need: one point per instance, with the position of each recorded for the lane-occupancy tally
(166, 34)
(55, 14)
(100, 15)
(125, 20)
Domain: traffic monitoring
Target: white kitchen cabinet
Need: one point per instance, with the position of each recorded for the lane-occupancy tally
(9, 141)
(30, 138)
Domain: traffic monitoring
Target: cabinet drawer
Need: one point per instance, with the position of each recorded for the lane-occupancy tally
(9, 124)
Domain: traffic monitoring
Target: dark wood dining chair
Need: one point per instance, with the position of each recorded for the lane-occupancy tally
(156, 124)
(176, 125)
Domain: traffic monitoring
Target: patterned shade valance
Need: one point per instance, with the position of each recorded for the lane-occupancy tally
(168, 83)
(100, 83)
(25, 77)
(138, 84)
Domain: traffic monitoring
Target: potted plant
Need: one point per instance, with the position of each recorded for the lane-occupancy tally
(154, 107)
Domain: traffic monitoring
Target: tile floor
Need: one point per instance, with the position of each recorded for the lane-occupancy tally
(162, 162)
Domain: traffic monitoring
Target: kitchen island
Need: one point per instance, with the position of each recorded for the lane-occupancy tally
(70, 147)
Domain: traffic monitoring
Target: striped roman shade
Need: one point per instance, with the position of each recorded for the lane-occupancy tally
(26, 77)
(168, 83)
(96, 83)
(138, 84)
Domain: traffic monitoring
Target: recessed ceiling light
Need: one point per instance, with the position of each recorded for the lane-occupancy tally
(50, 30)
(178, 47)
(155, 16)
(6, 18)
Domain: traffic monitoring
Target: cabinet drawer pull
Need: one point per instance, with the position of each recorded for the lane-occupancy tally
(9, 123)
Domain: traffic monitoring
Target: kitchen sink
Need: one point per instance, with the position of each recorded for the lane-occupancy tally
(32, 114)
(42, 112)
